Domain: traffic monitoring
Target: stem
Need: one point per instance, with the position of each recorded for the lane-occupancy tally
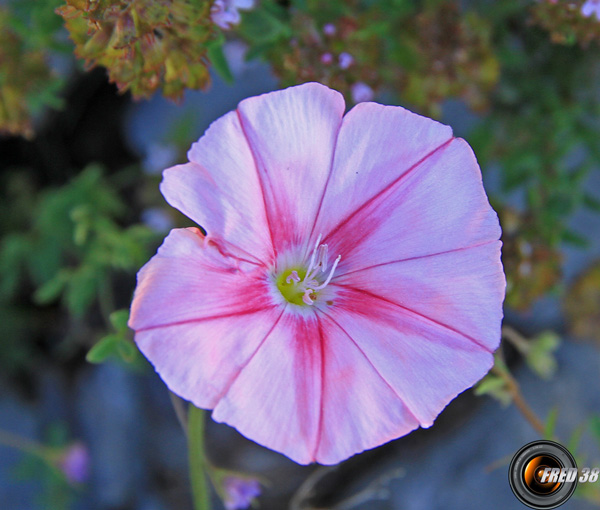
(197, 458)
(515, 392)
(180, 411)
(515, 338)
(22, 444)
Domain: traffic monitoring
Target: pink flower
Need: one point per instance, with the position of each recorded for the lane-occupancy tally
(240, 492)
(591, 8)
(361, 92)
(224, 13)
(350, 284)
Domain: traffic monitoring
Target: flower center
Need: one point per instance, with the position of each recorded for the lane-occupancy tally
(300, 285)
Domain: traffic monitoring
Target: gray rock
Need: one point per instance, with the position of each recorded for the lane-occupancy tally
(108, 405)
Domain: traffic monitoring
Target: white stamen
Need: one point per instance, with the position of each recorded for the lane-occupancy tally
(314, 254)
(323, 257)
(323, 285)
(293, 276)
(318, 264)
(306, 298)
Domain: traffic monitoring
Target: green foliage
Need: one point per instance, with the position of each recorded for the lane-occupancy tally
(426, 55)
(66, 244)
(144, 45)
(538, 125)
(218, 60)
(582, 304)
(118, 345)
(565, 22)
(74, 243)
(39, 463)
(26, 82)
(37, 24)
(550, 425)
(497, 382)
(540, 354)
(495, 387)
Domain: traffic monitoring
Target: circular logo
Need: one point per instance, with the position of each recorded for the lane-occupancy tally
(543, 475)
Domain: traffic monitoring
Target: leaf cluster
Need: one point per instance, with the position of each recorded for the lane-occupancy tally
(73, 244)
(144, 45)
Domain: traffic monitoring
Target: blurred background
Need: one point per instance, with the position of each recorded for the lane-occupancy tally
(97, 97)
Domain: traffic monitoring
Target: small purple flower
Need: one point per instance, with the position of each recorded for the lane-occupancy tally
(345, 60)
(329, 29)
(239, 492)
(326, 59)
(224, 13)
(591, 8)
(361, 92)
(75, 463)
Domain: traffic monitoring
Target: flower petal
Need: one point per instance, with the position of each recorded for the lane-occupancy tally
(376, 146)
(276, 398)
(192, 278)
(199, 360)
(293, 134)
(219, 189)
(426, 363)
(463, 289)
(439, 205)
(360, 409)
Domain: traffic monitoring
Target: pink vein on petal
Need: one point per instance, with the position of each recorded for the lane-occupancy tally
(386, 188)
(320, 420)
(477, 245)
(249, 311)
(372, 365)
(262, 185)
(256, 261)
(337, 136)
(441, 324)
(246, 363)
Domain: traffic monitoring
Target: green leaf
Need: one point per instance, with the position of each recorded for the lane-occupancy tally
(591, 202)
(550, 425)
(53, 288)
(495, 387)
(260, 26)
(540, 356)
(82, 289)
(218, 60)
(119, 320)
(570, 237)
(127, 351)
(595, 427)
(575, 439)
(106, 347)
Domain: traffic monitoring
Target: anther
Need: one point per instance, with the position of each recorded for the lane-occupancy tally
(293, 276)
(324, 284)
(306, 298)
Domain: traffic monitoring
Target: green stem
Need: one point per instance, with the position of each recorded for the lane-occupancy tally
(514, 389)
(197, 458)
(25, 445)
(515, 338)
